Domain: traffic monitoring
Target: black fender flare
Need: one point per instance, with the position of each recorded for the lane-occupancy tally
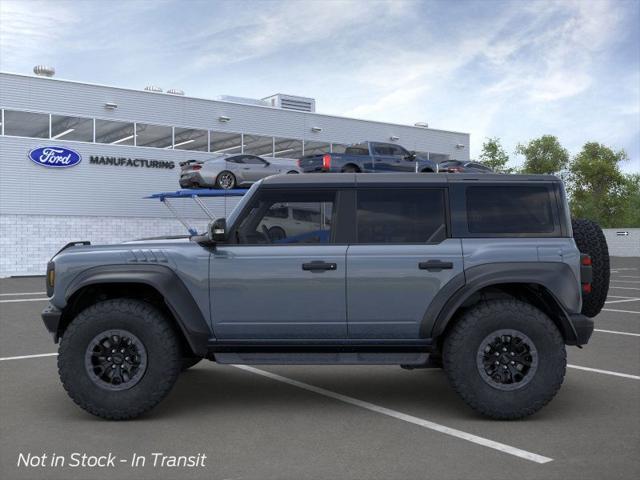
(556, 278)
(165, 281)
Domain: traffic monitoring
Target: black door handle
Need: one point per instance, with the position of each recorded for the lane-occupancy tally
(435, 265)
(319, 266)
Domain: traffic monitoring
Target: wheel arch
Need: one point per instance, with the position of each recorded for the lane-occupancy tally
(550, 290)
(355, 166)
(155, 284)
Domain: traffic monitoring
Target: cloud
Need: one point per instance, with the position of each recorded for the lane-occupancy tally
(283, 26)
(32, 29)
(509, 69)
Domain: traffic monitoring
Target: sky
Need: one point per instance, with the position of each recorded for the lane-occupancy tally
(509, 69)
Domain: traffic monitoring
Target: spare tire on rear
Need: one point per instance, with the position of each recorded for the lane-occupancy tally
(590, 240)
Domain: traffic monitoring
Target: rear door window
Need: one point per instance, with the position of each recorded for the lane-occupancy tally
(499, 209)
(401, 216)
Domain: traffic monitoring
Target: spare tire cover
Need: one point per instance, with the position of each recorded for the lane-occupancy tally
(590, 240)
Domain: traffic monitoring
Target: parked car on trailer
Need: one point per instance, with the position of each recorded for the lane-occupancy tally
(461, 166)
(231, 171)
(368, 157)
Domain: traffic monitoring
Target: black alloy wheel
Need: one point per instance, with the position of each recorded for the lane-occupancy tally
(115, 360)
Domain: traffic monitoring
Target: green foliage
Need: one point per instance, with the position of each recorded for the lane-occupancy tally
(543, 155)
(600, 191)
(630, 217)
(494, 156)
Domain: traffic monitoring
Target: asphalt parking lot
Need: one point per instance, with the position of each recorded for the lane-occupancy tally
(327, 422)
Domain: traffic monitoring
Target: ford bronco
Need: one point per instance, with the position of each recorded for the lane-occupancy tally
(482, 275)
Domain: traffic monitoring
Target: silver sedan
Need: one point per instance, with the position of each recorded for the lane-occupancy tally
(230, 171)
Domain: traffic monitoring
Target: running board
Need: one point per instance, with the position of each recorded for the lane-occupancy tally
(323, 358)
(320, 346)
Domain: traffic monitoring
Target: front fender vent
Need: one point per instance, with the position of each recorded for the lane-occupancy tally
(148, 256)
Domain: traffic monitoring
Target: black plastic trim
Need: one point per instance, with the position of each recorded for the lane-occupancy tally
(583, 326)
(556, 278)
(317, 346)
(51, 316)
(176, 296)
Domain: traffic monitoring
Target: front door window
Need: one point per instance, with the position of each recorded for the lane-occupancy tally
(288, 217)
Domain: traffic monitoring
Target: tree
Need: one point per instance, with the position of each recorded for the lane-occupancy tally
(494, 156)
(543, 155)
(630, 216)
(599, 190)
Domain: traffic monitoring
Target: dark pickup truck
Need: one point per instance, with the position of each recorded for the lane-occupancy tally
(368, 157)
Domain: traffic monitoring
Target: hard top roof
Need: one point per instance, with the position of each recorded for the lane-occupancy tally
(378, 179)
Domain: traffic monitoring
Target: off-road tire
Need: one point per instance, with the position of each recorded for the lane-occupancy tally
(460, 352)
(590, 240)
(188, 362)
(163, 351)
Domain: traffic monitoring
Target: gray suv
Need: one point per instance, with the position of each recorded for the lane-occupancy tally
(482, 275)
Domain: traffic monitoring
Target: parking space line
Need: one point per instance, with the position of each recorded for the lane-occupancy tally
(21, 293)
(22, 357)
(616, 332)
(620, 311)
(626, 281)
(623, 288)
(517, 452)
(628, 276)
(16, 300)
(622, 301)
(606, 372)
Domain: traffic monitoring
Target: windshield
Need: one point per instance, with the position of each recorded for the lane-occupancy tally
(231, 218)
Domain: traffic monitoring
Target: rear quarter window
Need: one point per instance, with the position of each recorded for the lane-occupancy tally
(500, 209)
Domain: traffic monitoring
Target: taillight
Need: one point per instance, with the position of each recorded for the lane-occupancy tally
(586, 273)
(326, 161)
(454, 169)
(299, 162)
(196, 167)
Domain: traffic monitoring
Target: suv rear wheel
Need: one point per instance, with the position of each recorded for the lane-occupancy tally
(505, 358)
(119, 358)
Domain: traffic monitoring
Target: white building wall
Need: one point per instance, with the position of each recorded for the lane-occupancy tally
(621, 245)
(27, 242)
(42, 209)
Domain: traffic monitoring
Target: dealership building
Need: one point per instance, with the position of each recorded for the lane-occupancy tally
(127, 144)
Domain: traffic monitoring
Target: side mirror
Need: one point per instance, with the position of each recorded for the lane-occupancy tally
(218, 230)
(411, 156)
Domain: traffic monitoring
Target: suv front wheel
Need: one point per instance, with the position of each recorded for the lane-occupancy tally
(505, 358)
(119, 358)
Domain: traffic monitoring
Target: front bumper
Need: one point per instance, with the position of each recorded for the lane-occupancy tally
(583, 326)
(51, 316)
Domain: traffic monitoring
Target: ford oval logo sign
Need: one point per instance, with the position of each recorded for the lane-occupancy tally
(55, 157)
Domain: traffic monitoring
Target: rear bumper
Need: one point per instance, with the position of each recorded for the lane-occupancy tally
(51, 316)
(583, 326)
(192, 179)
(313, 169)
